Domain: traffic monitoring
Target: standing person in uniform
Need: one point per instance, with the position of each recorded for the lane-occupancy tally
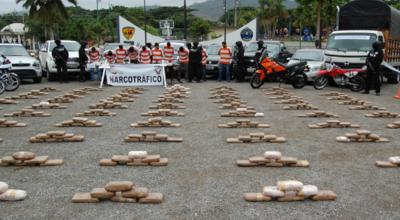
(94, 59)
(189, 47)
(169, 59)
(60, 55)
(374, 61)
(133, 55)
(157, 54)
(183, 63)
(239, 57)
(225, 60)
(195, 57)
(83, 59)
(145, 55)
(259, 52)
(204, 56)
(121, 55)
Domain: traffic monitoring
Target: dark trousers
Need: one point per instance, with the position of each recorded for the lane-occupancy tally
(82, 76)
(172, 73)
(373, 79)
(134, 61)
(240, 72)
(194, 71)
(62, 73)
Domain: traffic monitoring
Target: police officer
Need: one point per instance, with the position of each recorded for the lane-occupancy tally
(195, 57)
(259, 52)
(82, 61)
(60, 55)
(374, 61)
(239, 58)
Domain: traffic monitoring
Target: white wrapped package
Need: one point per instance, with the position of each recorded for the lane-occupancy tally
(308, 190)
(273, 155)
(137, 154)
(290, 193)
(272, 191)
(289, 185)
(44, 103)
(259, 114)
(13, 195)
(395, 160)
(3, 187)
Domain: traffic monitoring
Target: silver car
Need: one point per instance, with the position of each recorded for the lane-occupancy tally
(26, 66)
(315, 59)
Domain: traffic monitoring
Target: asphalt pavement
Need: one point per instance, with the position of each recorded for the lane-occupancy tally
(201, 180)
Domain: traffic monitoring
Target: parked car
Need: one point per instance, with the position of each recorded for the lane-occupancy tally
(315, 59)
(113, 47)
(276, 50)
(47, 60)
(212, 65)
(23, 64)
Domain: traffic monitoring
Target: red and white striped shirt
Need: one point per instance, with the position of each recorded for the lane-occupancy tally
(145, 56)
(121, 55)
(110, 59)
(133, 55)
(225, 55)
(204, 56)
(94, 56)
(157, 55)
(183, 56)
(169, 54)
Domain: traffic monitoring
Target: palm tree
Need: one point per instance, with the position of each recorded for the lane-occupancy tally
(49, 12)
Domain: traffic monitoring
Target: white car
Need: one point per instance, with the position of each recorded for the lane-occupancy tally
(47, 60)
(26, 66)
(315, 59)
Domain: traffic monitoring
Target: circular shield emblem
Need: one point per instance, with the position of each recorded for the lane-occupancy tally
(247, 34)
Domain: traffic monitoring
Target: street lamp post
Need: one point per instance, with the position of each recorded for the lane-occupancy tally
(145, 21)
(226, 20)
(184, 20)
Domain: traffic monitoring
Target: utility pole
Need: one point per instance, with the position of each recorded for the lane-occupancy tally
(145, 21)
(97, 9)
(237, 2)
(184, 20)
(226, 20)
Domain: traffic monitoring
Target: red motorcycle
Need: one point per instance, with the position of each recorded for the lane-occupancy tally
(351, 78)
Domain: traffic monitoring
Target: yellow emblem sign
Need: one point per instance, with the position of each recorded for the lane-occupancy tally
(128, 32)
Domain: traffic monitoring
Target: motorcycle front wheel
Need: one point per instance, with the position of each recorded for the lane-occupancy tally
(357, 84)
(2, 87)
(321, 82)
(255, 81)
(13, 82)
(299, 80)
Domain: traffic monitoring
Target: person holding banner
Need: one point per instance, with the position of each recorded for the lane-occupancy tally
(169, 59)
(120, 55)
(145, 55)
(157, 54)
(94, 59)
(133, 55)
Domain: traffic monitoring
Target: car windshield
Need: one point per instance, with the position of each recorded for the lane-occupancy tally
(13, 50)
(108, 47)
(272, 48)
(351, 42)
(213, 50)
(308, 56)
(70, 46)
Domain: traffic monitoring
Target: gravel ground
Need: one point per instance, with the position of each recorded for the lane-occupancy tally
(202, 180)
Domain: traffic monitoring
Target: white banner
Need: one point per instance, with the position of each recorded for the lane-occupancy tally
(136, 75)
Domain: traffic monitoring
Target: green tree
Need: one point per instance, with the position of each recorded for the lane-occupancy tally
(199, 28)
(246, 14)
(270, 11)
(49, 12)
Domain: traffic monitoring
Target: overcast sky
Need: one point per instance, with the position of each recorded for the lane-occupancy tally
(10, 5)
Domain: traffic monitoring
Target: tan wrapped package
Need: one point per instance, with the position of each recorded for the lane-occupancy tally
(152, 198)
(272, 191)
(385, 164)
(101, 193)
(136, 193)
(107, 162)
(256, 197)
(119, 186)
(84, 198)
(289, 185)
(290, 198)
(119, 198)
(324, 195)
(24, 155)
(13, 195)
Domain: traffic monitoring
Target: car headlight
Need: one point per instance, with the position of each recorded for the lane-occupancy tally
(251, 61)
(36, 64)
